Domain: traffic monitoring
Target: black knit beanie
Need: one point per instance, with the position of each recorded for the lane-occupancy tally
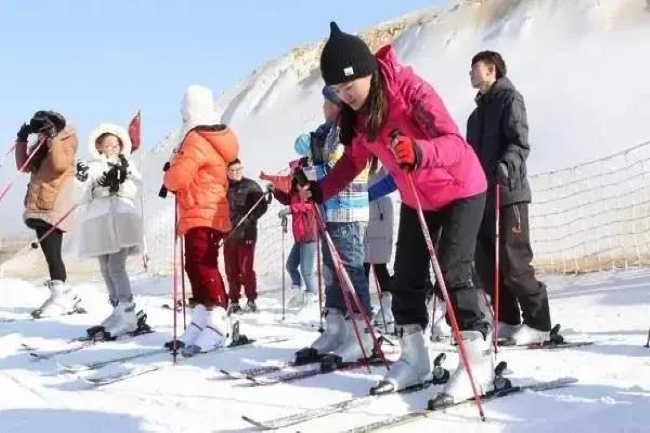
(345, 58)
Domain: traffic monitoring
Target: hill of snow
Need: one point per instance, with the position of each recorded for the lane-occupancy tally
(580, 64)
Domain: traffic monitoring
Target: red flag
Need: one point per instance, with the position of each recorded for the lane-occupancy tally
(134, 132)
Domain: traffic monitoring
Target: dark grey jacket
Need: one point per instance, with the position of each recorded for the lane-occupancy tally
(498, 126)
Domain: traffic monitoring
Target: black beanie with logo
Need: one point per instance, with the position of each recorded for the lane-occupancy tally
(345, 58)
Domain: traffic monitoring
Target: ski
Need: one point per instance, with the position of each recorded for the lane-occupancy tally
(290, 376)
(107, 380)
(439, 378)
(96, 336)
(493, 395)
(75, 368)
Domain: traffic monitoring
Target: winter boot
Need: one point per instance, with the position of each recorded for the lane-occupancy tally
(251, 307)
(125, 322)
(297, 298)
(413, 366)
(384, 319)
(61, 301)
(480, 355)
(218, 332)
(94, 330)
(235, 308)
(309, 299)
(526, 335)
(350, 349)
(335, 333)
(191, 333)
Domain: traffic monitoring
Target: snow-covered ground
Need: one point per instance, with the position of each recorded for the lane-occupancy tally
(612, 395)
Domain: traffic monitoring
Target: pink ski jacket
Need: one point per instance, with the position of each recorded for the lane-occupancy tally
(447, 170)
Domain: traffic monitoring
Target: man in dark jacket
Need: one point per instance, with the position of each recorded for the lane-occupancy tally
(498, 131)
(239, 249)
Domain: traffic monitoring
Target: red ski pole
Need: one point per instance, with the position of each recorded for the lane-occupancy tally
(319, 271)
(497, 277)
(349, 293)
(21, 169)
(183, 296)
(283, 228)
(175, 284)
(443, 288)
(34, 245)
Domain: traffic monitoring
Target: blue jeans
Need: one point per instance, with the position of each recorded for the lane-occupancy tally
(348, 241)
(302, 256)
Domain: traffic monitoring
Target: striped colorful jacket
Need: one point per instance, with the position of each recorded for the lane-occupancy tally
(351, 204)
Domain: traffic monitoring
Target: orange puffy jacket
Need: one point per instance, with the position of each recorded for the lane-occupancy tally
(198, 176)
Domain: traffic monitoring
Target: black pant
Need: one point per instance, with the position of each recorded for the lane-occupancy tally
(51, 246)
(381, 272)
(458, 224)
(518, 286)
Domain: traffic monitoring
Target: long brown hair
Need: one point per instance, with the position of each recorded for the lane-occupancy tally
(375, 108)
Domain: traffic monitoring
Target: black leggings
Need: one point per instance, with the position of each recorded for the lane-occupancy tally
(51, 246)
(383, 277)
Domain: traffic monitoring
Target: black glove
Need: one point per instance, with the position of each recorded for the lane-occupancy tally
(301, 179)
(123, 168)
(110, 179)
(23, 133)
(49, 123)
(269, 197)
(82, 171)
(510, 171)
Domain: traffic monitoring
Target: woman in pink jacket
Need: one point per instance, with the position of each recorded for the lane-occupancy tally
(392, 113)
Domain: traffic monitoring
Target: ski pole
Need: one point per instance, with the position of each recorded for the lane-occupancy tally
(497, 279)
(175, 284)
(22, 168)
(443, 288)
(321, 329)
(183, 296)
(349, 293)
(283, 228)
(35, 244)
(379, 293)
(241, 221)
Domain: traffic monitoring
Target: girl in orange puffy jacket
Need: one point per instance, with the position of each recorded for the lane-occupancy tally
(197, 176)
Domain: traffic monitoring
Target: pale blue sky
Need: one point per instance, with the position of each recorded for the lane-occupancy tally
(100, 60)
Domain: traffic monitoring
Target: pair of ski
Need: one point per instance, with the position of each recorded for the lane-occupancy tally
(124, 375)
(440, 376)
(95, 334)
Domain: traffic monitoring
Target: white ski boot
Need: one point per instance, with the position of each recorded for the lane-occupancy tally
(219, 331)
(191, 333)
(413, 366)
(297, 298)
(107, 322)
(60, 302)
(480, 355)
(526, 335)
(384, 319)
(309, 300)
(350, 349)
(125, 322)
(335, 334)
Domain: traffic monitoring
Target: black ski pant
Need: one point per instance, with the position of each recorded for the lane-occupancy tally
(381, 272)
(520, 293)
(51, 246)
(457, 225)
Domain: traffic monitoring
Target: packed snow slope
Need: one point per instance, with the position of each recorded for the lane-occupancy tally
(580, 64)
(612, 395)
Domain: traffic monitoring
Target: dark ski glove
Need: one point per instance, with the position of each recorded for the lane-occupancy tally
(82, 171)
(110, 179)
(510, 171)
(123, 167)
(23, 133)
(309, 189)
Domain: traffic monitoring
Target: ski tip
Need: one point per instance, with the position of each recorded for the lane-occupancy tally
(253, 422)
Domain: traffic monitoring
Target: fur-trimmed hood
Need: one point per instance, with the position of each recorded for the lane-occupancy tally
(109, 128)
